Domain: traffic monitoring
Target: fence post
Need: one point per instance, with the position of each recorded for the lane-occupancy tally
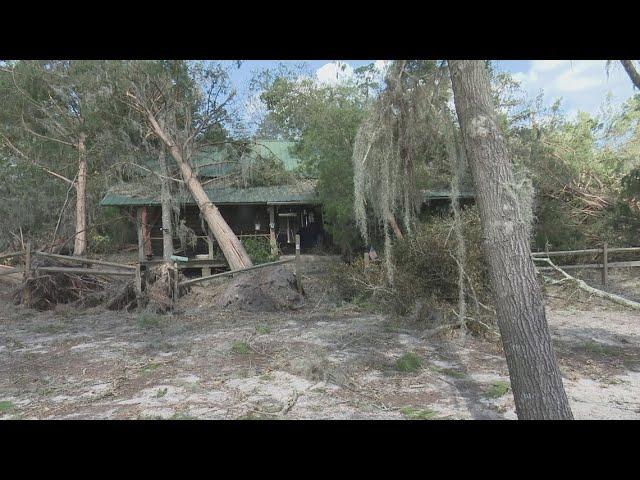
(366, 259)
(138, 285)
(605, 264)
(26, 275)
(298, 272)
(176, 286)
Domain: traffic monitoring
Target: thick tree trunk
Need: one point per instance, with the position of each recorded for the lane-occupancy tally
(535, 377)
(165, 199)
(231, 247)
(80, 244)
(632, 72)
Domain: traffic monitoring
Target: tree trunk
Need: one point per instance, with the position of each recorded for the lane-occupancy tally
(394, 225)
(165, 199)
(231, 247)
(535, 377)
(632, 72)
(80, 243)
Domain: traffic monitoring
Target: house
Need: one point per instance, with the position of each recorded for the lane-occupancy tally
(274, 213)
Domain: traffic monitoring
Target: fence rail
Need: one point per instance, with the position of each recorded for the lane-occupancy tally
(605, 251)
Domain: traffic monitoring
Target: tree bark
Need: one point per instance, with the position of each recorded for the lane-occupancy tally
(632, 72)
(231, 247)
(535, 377)
(394, 225)
(165, 199)
(80, 243)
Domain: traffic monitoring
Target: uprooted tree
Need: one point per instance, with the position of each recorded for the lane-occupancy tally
(183, 106)
(535, 377)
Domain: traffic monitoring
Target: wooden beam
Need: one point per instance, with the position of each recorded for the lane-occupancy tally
(233, 272)
(90, 271)
(84, 260)
(141, 256)
(298, 270)
(10, 255)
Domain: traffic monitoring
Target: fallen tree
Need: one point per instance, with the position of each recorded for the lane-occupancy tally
(163, 93)
(587, 288)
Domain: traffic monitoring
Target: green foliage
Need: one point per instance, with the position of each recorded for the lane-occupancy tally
(5, 406)
(241, 348)
(412, 413)
(259, 249)
(323, 120)
(409, 363)
(426, 278)
(149, 320)
(497, 389)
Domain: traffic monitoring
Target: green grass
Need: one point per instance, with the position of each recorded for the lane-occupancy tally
(263, 329)
(149, 320)
(5, 406)
(149, 367)
(48, 328)
(451, 372)
(599, 348)
(409, 362)
(160, 393)
(241, 348)
(412, 413)
(497, 389)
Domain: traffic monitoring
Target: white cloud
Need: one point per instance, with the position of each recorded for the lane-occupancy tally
(334, 73)
(582, 84)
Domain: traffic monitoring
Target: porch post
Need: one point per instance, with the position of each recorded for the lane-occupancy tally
(272, 231)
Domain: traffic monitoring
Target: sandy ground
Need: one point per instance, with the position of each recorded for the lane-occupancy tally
(318, 362)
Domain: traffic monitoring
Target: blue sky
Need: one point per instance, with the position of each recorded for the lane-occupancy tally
(582, 84)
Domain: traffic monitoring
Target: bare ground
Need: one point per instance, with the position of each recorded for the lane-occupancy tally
(320, 361)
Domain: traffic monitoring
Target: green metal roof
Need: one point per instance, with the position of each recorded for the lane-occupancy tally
(222, 160)
(300, 193)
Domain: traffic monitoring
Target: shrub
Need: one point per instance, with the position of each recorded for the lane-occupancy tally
(425, 271)
(409, 362)
(258, 249)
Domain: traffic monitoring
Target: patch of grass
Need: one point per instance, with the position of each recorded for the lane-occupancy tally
(48, 328)
(160, 393)
(241, 348)
(497, 389)
(412, 413)
(149, 367)
(148, 320)
(263, 329)
(409, 363)
(598, 348)
(6, 405)
(267, 377)
(452, 372)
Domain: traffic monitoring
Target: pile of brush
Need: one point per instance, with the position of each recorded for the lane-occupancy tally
(46, 290)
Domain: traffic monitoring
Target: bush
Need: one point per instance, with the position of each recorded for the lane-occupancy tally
(425, 271)
(258, 249)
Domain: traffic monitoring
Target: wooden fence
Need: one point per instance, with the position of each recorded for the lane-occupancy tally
(603, 252)
(29, 270)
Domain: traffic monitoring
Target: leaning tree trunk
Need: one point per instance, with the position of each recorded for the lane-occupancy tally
(535, 377)
(80, 243)
(231, 247)
(165, 200)
(632, 72)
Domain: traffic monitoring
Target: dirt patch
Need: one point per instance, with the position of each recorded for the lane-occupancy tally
(271, 289)
(320, 361)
